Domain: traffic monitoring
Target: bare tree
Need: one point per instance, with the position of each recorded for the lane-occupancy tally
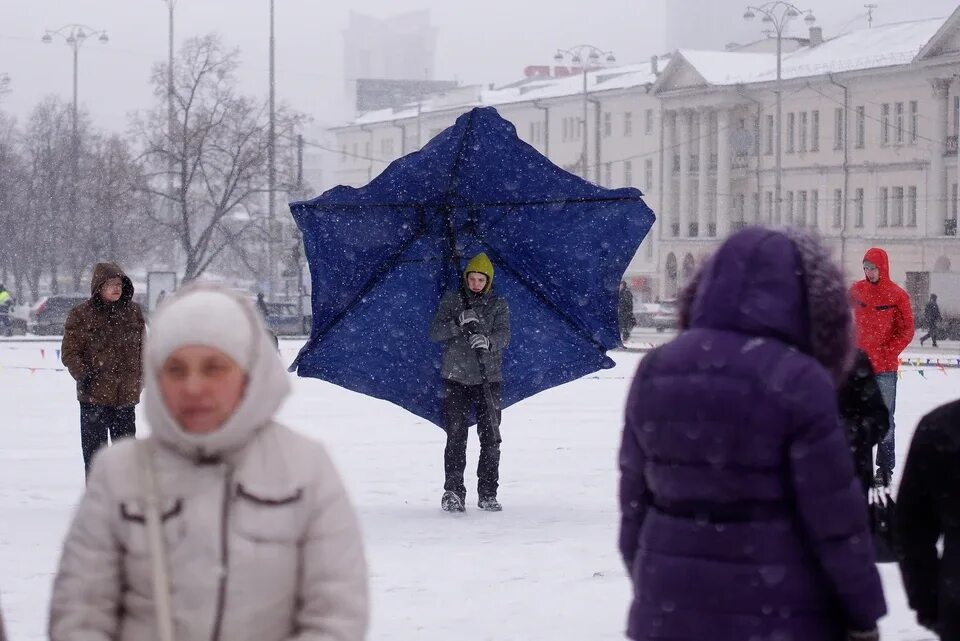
(217, 153)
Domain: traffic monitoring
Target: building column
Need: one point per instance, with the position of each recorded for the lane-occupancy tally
(937, 183)
(685, 147)
(703, 173)
(724, 182)
(666, 190)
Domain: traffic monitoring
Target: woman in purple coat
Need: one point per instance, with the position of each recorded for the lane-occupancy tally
(741, 516)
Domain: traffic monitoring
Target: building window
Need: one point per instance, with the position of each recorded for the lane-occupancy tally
(628, 173)
(914, 121)
(858, 207)
(803, 131)
(769, 206)
(883, 207)
(648, 124)
(739, 208)
(801, 217)
(861, 127)
(896, 217)
(956, 115)
(648, 174)
(838, 125)
(911, 206)
(814, 208)
(791, 132)
(898, 122)
(788, 201)
(628, 124)
(768, 150)
(756, 207)
(885, 123)
(607, 124)
(837, 208)
(815, 131)
(608, 174)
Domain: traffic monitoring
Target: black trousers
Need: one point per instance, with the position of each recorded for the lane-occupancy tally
(932, 333)
(457, 402)
(97, 422)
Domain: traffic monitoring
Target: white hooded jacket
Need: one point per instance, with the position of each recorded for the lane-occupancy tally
(262, 542)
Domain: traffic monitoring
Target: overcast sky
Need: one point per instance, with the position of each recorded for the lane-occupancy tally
(479, 42)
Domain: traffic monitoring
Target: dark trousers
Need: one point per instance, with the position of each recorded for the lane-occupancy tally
(457, 402)
(931, 333)
(99, 421)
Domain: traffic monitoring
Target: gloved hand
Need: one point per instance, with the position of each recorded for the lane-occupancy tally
(467, 316)
(479, 341)
(865, 635)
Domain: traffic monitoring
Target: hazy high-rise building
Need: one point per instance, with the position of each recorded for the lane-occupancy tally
(400, 47)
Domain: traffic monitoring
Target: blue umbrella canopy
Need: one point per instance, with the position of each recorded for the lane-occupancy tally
(381, 257)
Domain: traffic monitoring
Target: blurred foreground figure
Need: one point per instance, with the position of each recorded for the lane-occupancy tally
(741, 515)
(223, 524)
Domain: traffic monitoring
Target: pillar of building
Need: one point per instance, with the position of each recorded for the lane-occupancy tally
(724, 181)
(685, 147)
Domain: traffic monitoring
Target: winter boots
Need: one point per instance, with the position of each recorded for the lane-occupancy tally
(451, 502)
(489, 505)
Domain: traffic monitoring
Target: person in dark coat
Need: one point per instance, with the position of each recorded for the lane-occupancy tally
(625, 312)
(102, 341)
(931, 318)
(741, 517)
(865, 416)
(473, 325)
(928, 508)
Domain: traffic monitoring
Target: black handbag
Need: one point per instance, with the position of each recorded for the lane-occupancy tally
(883, 512)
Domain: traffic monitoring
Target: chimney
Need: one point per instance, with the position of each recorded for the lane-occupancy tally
(816, 36)
(655, 65)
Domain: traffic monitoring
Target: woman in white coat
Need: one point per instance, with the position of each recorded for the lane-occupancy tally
(259, 540)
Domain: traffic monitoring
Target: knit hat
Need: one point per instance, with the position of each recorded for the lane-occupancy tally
(206, 317)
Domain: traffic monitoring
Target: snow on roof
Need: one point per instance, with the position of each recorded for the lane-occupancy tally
(606, 79)
(728, 67)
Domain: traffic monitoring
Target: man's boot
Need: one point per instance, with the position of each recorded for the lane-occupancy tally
(451, 502)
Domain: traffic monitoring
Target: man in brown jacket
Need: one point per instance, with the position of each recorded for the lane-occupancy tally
(101, 348)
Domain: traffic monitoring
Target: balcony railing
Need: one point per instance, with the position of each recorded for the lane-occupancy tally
(951, 146)
(694, 230)
(740, 161)
(950, 227)
(712, 230)
(675, 230)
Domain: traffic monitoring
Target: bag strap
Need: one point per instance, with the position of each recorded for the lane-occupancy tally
(158, 553)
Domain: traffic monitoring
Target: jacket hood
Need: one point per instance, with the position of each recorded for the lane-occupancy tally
(102, 272)
(267, 384)
(773, 284)
(879, 258)
(481, 264)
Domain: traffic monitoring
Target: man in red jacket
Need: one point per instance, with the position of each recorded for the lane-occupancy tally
(884, 329)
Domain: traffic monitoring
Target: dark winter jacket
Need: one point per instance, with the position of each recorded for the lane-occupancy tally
(102, 344)
(741, 515)
(883, 315)
(459, 359)
(865, 416)
(928, 505)
(931, 314)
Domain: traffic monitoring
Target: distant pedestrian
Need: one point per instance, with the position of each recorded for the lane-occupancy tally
(931, 318)
(101, 347)
(262, 305)
(625, 312)
(6, 307)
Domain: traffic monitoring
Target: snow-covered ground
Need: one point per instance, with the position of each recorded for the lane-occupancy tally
(547, 567)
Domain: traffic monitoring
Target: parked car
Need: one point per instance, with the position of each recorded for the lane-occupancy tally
(283, 320)
(49, 315)
(643, 313)
(667, 317)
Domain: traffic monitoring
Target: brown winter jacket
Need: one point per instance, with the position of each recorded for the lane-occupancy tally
(102, 344)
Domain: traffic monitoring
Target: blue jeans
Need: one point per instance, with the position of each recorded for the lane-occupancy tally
(886, 452)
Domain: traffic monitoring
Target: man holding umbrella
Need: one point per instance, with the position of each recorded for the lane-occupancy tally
(473, 325)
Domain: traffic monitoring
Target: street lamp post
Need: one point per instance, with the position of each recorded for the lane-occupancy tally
(778, 14)
(587, 57)
(171, 128)
(272, 158)
(75, 35)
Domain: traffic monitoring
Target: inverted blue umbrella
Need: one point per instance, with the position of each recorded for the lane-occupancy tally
(381, 257)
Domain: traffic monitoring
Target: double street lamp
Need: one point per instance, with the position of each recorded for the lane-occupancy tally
(586, 57)
(75, 35)
(779, 14)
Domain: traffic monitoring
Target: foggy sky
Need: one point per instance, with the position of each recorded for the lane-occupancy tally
(478, 42)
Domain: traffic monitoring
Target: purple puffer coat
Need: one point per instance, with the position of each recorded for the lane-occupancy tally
(741, 516)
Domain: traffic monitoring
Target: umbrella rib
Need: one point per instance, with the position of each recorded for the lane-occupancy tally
(505, 203)
(542, 298)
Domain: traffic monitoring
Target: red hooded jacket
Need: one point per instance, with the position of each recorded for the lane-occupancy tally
(883, 315)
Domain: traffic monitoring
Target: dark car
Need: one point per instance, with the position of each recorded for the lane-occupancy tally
(48, 316)
(283, 320)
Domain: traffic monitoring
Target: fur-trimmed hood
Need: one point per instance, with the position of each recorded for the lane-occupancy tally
(775, 284)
